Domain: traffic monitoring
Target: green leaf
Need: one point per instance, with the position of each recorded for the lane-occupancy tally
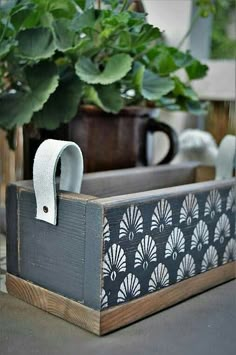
(115, 69)
(182, 89)
(17, 108)
(62, 8)
(196, 70)
(165, 63)
(63, 37)
(61, 106)
(146, 35)
(85, 4)
(138, 72)
(85, 20)
(154, 86)
(36, 43)
(106, 97)
(5, 47)
(196, 108)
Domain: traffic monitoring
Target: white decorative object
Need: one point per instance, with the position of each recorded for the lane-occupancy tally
(104, 299)
(197, 145)
(222, 229)
(175, 244)
(131, 223)
(213, 204)
(106, 230)
(200, 236)
(146, 252)
(231, 200)
(186, 268)
(114, 261)
(159, 278)
(189, 209)
(230, 251)
(162, 216)
(210, 259)
(129, 288)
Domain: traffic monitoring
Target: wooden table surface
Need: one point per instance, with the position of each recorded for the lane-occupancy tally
(203, 325)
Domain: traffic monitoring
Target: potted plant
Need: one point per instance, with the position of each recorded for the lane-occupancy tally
(62, 61)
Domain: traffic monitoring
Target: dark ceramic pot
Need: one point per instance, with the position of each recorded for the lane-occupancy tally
(107, 141)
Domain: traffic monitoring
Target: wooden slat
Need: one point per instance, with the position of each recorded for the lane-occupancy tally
(122, 315)
(111, 319)
(53, 303)
(152, 195)
(205, 173)
(126, 181)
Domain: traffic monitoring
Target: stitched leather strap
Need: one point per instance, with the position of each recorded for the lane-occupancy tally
(226, 159)
(44, 171)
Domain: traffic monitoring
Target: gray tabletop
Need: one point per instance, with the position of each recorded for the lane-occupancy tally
(205, 324)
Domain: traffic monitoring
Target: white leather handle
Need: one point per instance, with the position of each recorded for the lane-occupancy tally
(44, 170)
(226, 159)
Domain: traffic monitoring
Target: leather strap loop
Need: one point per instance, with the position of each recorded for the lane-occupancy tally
(44, 171)
(226, 159)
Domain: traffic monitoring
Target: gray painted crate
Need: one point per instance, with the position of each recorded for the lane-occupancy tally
(120, 254)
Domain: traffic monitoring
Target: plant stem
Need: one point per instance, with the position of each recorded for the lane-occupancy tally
(124, 6)
(196, 17)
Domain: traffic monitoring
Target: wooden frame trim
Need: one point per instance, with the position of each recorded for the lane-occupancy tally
(152, 195)
(51, 302)
(116, 317)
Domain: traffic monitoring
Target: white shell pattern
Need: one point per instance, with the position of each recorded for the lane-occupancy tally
(210, 259)
(146, 252)
(130, 287)
(159, 278)
(106, 230)
(114, 261)
(213, 204)
(189, 209)
(222, 229)
(175, 244)
(162, 216)
(200, 236)
(186, 268)
(230, 251)
(231, 200)
(131, 223)
(104, 299)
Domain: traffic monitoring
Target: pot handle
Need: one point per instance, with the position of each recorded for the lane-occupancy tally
(226, 159)
(156, 126)
(44, 171)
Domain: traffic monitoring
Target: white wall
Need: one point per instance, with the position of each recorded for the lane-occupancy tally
(172, 16)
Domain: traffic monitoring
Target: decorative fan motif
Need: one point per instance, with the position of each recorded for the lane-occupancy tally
(222, 229)
(213, 204)
(200, 236)
(166, 241)
(146, 252)
(106, 230)
(162, 216)
(210, 259)
(131, 223)
(159, 278)
(104, 299)
(231, 200)
(189, 209)
(230, 251)
(175, 244)
(129, 288)
(186, 268)
(114, 262)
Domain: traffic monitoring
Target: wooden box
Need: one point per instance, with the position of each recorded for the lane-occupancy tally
(133, 243)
